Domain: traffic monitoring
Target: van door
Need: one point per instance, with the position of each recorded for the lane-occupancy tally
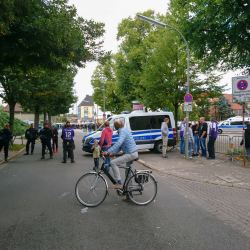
(140, 129)
(115, 135)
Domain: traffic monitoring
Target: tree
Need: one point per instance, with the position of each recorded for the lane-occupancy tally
(217, 31)
(45, 34)
(222, 109)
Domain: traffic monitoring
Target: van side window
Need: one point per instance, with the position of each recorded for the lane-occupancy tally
(237, 123)
(139, 123)
(157, 120)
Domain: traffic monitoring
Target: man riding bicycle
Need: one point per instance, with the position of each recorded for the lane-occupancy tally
(126, 143)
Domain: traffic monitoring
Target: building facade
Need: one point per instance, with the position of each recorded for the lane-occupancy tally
(86, 110)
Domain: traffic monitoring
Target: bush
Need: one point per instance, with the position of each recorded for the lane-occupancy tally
(19, 126)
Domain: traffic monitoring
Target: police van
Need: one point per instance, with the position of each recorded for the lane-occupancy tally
(144, 126)
(233, 124)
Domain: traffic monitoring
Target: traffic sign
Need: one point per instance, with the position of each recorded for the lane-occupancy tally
(188, 98)
(241, 89)
(188, 106)
(186, 84)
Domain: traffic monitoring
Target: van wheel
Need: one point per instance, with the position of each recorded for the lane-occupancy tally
(219, 131)
(158, 147)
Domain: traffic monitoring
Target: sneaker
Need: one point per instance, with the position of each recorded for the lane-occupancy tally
(57, 150)
(51, 156)
(63, 162)
(190, 157)
(72, 161)
(164, 156)
(31, 153)
(127, 198)
(27, 153)
(6, 159)
(53, 151)
(42, 157)
(116, 186)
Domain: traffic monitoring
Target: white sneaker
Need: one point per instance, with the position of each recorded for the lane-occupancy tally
(190, 157)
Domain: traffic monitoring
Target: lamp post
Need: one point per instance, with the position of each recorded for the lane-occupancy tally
(104, 115)
(187, 90)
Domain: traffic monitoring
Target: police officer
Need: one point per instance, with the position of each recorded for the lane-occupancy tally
(45, 136)
(31, 134)
(5, 136)
(68, 143)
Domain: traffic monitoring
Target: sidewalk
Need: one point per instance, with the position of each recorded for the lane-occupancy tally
(220, 171)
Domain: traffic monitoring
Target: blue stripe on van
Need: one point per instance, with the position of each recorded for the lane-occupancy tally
(88, 135)
(232, 126)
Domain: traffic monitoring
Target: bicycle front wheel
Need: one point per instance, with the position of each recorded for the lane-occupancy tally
(91, 190)
(142, 188)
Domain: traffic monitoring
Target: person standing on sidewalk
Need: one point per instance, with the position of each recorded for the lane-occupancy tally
(203, 136)
(247, 140)
(68, 143)
(5, 137)
(45, 136)
(31, 135)
(164, 135)
(106, 136)
(54, 139)
(195, 129)
(182, 133)
(190, 140)
(213, 132)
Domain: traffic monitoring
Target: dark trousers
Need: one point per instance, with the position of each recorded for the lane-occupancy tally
(96, 161)
(28, 145)
(6, 148)
(48, 144)
(54, 142)
(71, 154)
(210, 147)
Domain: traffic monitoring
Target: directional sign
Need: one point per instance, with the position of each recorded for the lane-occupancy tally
(241, 89)
(188, 106)
(188, 98)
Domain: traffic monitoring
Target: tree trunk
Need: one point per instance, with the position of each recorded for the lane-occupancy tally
(49, 117)
(37, 110)
(44, 115)
(12, 113)
(176, 119)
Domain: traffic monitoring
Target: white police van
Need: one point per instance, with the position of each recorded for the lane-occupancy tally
(233, 124)
(144, 126)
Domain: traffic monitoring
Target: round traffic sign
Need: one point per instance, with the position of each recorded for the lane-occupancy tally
(242, 85)
(188, 98)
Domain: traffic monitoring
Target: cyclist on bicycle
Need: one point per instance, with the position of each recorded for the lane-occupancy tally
(126, 143)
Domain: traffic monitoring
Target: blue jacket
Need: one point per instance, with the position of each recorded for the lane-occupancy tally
(125, 142)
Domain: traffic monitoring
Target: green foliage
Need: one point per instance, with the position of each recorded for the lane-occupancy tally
(217, 31)
(222, 109)
(19, 127)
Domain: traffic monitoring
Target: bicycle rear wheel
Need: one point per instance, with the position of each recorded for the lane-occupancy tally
(142, 188)
(91, 190)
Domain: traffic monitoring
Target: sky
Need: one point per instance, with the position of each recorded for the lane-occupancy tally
(111, 12)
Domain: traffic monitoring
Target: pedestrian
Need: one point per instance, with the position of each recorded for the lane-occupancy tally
(106, 140)
(182, 133)
(190, 140)
(247, 140)
(202, 136)
(45, 136)
(195, 128)
(164, 135)
(213, 132)
(68, 143)
(31, 135)
(5, 137)
(96, 149)
(93, 127)
(54, 139)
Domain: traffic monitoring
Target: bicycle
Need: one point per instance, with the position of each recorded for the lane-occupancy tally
(140, 186)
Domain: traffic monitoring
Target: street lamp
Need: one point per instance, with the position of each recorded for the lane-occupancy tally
(104, 115)
(187, 90)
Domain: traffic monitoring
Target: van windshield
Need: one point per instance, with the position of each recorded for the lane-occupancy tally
(102, 126)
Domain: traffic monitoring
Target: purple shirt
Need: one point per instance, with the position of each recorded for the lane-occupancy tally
(215, 126)
(182, 128)
(68, 134)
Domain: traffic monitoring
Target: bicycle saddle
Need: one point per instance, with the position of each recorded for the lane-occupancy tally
(136, 159)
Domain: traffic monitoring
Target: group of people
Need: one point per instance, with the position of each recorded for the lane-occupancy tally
(198, 133)
(48, 135)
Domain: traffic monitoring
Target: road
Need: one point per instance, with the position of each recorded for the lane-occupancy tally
(38, 210)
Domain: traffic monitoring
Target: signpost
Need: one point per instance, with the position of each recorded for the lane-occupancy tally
(241, 93)
(188, 104)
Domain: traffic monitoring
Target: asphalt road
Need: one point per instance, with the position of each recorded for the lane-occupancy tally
(38, 210)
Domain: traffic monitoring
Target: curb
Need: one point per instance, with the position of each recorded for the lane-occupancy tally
(147, 165)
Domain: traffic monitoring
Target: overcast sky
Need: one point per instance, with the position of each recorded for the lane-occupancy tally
(111, 12)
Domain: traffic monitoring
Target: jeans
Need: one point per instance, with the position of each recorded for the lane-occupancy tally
(203, 147)
(210, 147)
(190, 145)
(182, 146)
(196, 146)
(164, 145)
(96, 161)
(107, 159)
